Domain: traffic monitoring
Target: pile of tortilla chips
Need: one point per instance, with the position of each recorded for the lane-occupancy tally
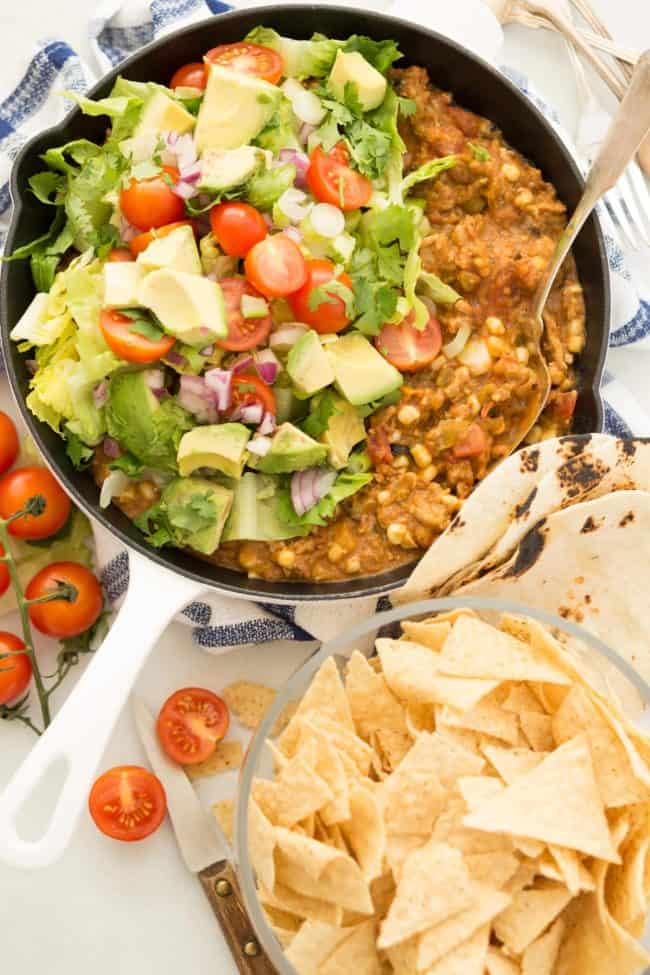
(464, 803)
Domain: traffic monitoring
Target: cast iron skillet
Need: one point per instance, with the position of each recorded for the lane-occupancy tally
(475, 85)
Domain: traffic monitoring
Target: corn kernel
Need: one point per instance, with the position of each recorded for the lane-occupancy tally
(395, 533)
(335, 553)
(353, 564)
(285, 558)
(538, 262)
(451, 501)
(511, 172)
(496, 346)
(523, 198)
(535, 435)
(147, 491)
(383, 497)
(495, 326)
(522, 354)
(408, 414)
(575, 326)
(575, 343)
(421, 455)
(401, 461)
(247, 557)
(429, 473)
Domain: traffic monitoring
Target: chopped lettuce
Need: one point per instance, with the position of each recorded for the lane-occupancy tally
(321, 409)
(302, 59)
(380, 54)
(213, 259)
(170, 522)
(282, 130)
(437, 290)
(266, 188)
(429, 170)
(344, 487)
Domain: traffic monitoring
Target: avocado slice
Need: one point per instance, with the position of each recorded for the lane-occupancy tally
(235, 109)
(345, 429)
(221, 446)
(253, 516)
(196, 510)
(162, 114)
(308, 365)
(351, 68)
(122, 280)
(188, 306)
(177, 252)
(361, 373)
(291, 450)
(223, 169)
(148, 429)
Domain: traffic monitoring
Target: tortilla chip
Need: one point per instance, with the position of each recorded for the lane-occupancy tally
(467, 959)
(391, 746)
(557, 802)
(442, 758)
(511, 763)
(540, 957)
(449, 829)
(625, 891)
(296, 793)
(496, 963)
(261, 844)
(326, 697)
(529, 914)
(486, 719)
(325, 760)
(419, 718)
(224, 813)
(248, 701)
(617, 781)
(521, 698)
(313, 724)
(365, 832)
(382, 891)
(320, 871)
(357, 953)
(398, 850)
(431, 634)
(573, 872)
(411, 801)
(475, 789)
(438, 941)
(373, 705)
(283, 719)
(282, 919)
(530, 848)
(495, 868)
(309, 908)
(596, 944)
(476, 649)
(313, 945)
(434, 885)
(523, 878)
(228, 755)
(538, 730)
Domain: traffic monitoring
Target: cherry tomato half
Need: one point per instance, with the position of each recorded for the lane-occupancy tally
(248, 389)
(127, 803)
(119, 255)
(276, 266)
(474, 442)
(191, 723)
(59, 617)
(190, 75)
(329, 315)
(15, 670)
(263, 62)
(407, 347)
(17, 487)
(148, 203)
(8, 442)
(243, 333)
(332, 180)
(141, 241)
(128, 345)
(237, 227)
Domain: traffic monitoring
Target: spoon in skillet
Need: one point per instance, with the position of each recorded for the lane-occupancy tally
(629, 127)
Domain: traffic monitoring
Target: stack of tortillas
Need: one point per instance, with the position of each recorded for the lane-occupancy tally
(564, 526)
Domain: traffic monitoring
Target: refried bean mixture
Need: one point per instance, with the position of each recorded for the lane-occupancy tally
(494, 223)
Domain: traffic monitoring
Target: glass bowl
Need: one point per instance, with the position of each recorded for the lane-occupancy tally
(607, 670)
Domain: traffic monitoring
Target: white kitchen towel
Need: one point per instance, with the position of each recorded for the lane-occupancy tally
(118, 28)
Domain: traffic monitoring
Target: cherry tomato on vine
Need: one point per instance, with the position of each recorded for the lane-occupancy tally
(119, 255)
(127, 803)
(329, 315)
(332, 180)
(129, 345)
(263, 62)
(8, 442)
(148, 203)
(407, 347)
(16, 489)
(191, 723)
(243, 333)
(248, 389)
(61, 617)
(237, 227)
(192, 75)
(276, 266)
(140, 242)
(15, 669)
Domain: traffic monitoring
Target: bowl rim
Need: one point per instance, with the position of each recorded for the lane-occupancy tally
(241, 586)
(299, 680)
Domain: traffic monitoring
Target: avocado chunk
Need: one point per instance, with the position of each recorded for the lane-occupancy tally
(147, 428)
(291, 450)
(308, 365)
(289, 407)
(345, 429)
(177, 252)
(351, 68)
(361, 373)
(122, 280)
(221, 446)
(254, 516)
(188, 306)
(162, 114)
(223, 169)
(196, 511)
(235, 108)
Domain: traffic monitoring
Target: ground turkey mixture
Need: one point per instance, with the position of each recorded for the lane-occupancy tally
(494, 223)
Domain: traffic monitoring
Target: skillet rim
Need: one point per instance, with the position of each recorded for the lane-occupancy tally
(175, 560)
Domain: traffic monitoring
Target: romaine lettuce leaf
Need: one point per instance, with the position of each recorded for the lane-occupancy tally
(302, 59)
(429, 170)
(265, 189)
(344, 487)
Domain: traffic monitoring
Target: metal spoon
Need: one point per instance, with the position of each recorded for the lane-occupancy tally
(629, 127)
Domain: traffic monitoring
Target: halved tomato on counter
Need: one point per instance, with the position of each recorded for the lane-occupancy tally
(127, 803)
(129, 345)
(329, 315)
(191, 724)
(148, 203)
(409, 348)
(263, 62)
(332, 180)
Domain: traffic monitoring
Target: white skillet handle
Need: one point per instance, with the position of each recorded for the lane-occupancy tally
(81, 729)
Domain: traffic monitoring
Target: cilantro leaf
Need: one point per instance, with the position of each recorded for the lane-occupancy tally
(79, 454)
(328, 292)
(126, 462)
(406, 106)
(170, 522)
(44, 185)
(388, 400)
(380, 54)
(144, 322)
(322, 408)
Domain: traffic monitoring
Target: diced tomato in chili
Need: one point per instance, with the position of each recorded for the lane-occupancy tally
(379, 446)
(474, 442)
(563, 404)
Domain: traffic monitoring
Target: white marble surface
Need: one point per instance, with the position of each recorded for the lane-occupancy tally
(107, 907)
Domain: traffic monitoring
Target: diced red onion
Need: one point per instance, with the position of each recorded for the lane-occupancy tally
(250, 413)
(100, 393)
(268, 220)
(155, 378)
(242, 363)
(185, 190)
(287, 335)
(259, 445)
(212, 275)
(309, 486)
(176, 358)
(267, 425)
(160, 394)
(192, 174)
(195, 396)
(219, 382)
(306, 130)
(111, 448)
(127, 230)
(267, 366)
(301, 163)
(208, 350)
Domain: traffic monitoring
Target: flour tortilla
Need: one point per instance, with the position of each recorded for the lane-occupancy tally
(488, 512)
(590, 564)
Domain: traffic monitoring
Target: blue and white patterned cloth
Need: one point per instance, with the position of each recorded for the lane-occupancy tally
(119, 28)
